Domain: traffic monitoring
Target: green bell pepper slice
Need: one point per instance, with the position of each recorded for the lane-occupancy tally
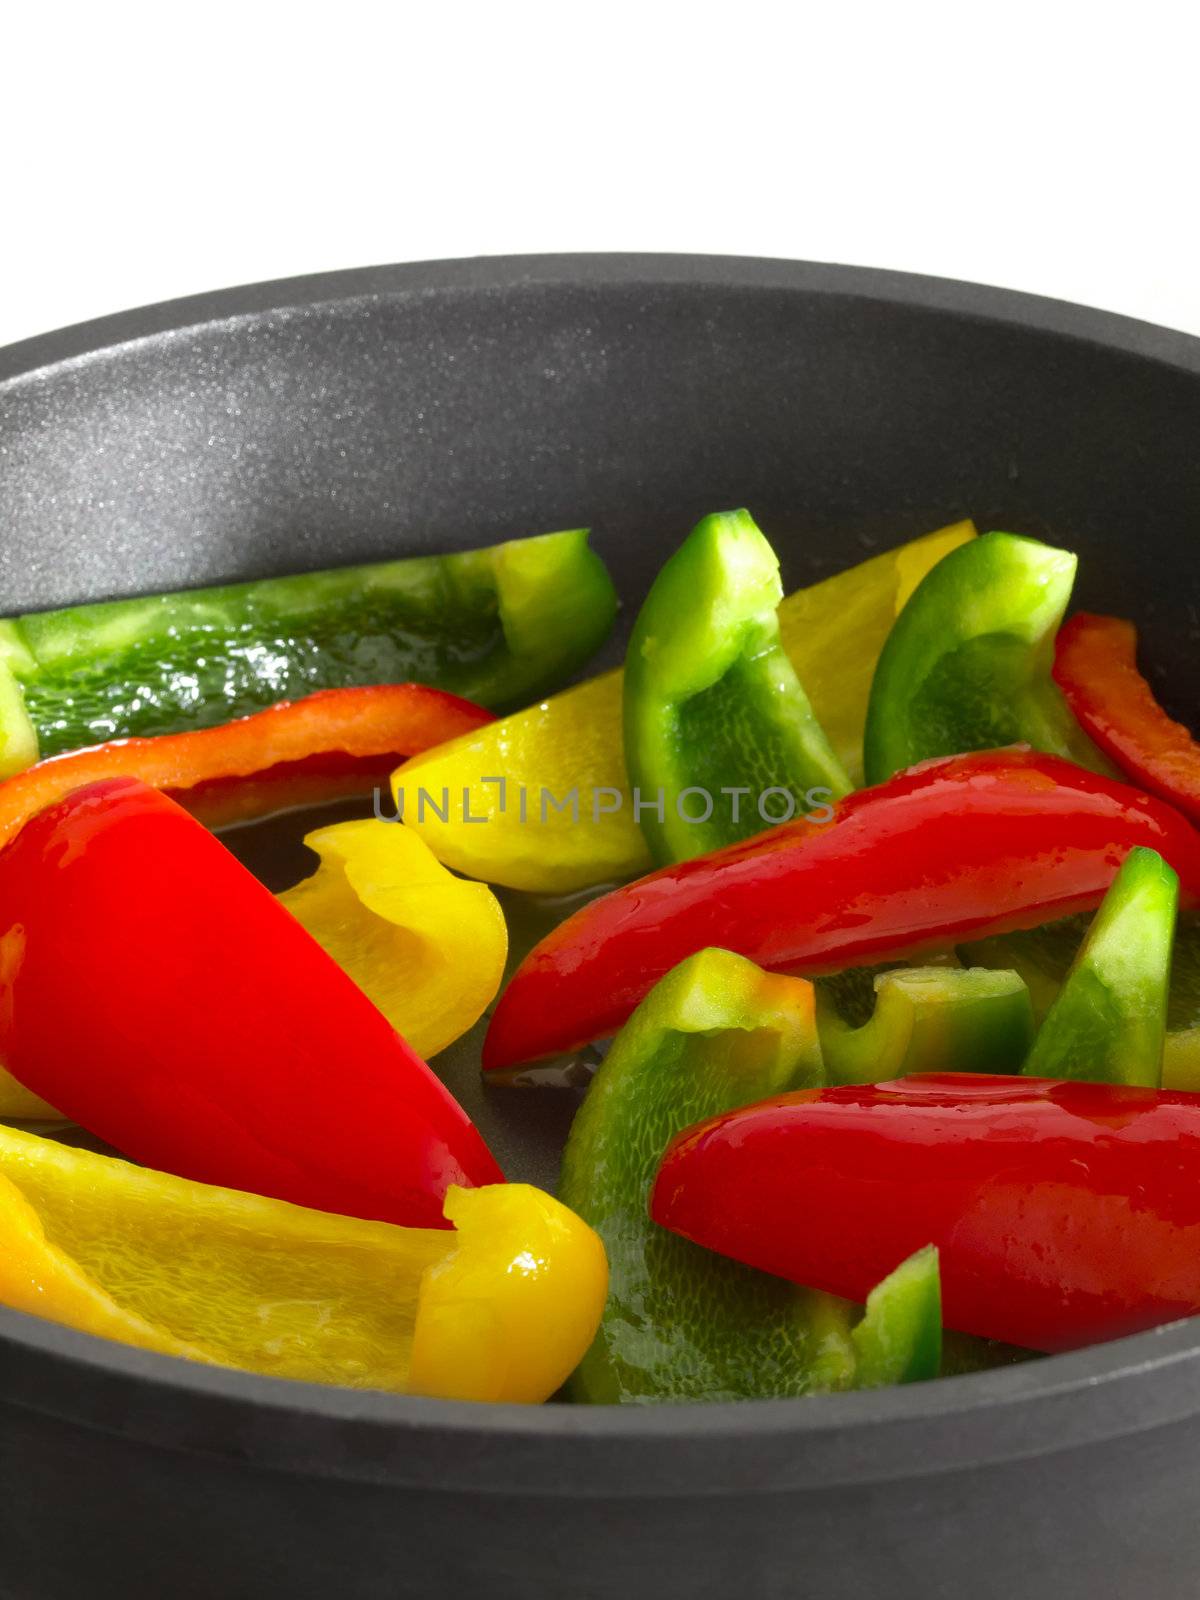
(680, 1322)
(720, 739)
(968, 664)
(500, 626)
(1108, 1021)
(930, 1019)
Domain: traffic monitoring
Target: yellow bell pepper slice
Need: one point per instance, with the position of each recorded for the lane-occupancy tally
(236, 1280)
(428, 948)
(540, 800)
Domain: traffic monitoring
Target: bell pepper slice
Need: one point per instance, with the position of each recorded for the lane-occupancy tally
(680, 1324)
(326, 747)
(955, 849)
(159, 996)
(713, 709)
(1064, 1213)
(576, 826)
(236, 1280)
(426, 947)
(1095, 666)
(899, 1339)
(511, 1312)
(967, 666)
(931, 1019)
(1043, 957)
(1109, 1019)
(498, 625)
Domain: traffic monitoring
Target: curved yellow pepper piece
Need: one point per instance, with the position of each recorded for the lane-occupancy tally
(528, 1274)
(236, 1280)
(540, 800)
(428, 948)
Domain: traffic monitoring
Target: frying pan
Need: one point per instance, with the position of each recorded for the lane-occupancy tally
(422, 408)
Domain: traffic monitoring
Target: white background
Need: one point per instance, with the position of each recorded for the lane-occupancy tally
(146, 154)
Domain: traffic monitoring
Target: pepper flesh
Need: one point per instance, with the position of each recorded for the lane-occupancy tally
(233, 1279)
(680, 1324)
(713, 708)
(160, 997)
(426, 947)
(1109, 1019)
(1064, 1213)
(1095, 666)
(953, 850)
(572, 744)
(967, 666)
(326, 747)
(498, 625)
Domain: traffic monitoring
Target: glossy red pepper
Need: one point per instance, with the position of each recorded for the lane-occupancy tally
(1064, 1213)
(1001, 840)
(331, 744)
(158, 995)
(1095, 666)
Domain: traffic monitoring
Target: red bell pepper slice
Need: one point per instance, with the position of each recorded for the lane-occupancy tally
(1064, 1213)
(1095, 666)
(158, 995)
(944, 852)
(327, 746)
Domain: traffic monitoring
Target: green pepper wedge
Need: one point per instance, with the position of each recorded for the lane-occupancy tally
(967, 665)
(680, 1323)
(930, 1019)
(1108, 1021)
(499, 626)
(720, 739)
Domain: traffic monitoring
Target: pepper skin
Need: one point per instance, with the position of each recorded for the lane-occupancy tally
(952, 850)
(158, 995)
(1109, 1020)
(1095, 666)
(930, 1019)
(1064, 1214)
(679, 1324)
(325, 747)
(500, 625)
(967, 666)
(711, 701)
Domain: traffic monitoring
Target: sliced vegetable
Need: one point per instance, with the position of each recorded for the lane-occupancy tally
(1064, 1214)
(326, 747)
(931, 1019)
(510, 1312)
(1109, 1020)
(967, 666)
(235, 1280)
(679, 1323)
(956, 849)
(426, 947)
(1043, 957)
(1095, 666)
(159, 996)
(18, 736)
(717, 724)
(550, 782)
(899, 1339)
(497, 625)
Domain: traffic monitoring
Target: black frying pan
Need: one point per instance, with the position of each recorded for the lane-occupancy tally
(405, 409)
